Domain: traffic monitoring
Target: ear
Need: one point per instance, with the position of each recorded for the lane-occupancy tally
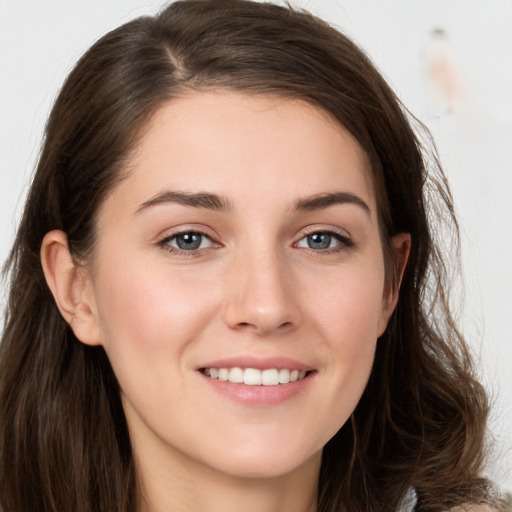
(401, 244)
(71, 287)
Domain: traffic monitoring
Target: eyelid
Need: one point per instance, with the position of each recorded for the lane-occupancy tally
(345, 239)
(187, 228)
(163, 240)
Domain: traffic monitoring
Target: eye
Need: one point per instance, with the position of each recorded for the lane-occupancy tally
(187, 241)
(324, 240)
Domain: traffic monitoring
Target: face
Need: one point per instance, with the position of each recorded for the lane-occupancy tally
(238, 283)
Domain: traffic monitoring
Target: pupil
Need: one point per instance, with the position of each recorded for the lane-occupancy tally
(189, 241)
(319, 241)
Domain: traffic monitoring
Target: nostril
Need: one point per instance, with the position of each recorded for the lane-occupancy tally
(258, 327)
(243, 325)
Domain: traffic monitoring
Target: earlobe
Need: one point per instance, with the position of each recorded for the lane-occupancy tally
(401, 244)
(70, 286)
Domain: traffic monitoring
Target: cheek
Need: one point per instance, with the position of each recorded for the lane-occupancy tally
(147, 309)
(349, 309)
(348, 319)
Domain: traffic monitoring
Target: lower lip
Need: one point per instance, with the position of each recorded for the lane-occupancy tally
(262, 396)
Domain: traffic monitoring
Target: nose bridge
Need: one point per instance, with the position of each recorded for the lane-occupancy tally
(260, 294)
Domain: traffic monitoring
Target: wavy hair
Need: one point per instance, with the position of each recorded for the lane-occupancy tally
(64, 441)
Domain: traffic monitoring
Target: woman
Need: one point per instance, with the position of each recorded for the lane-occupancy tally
(225, 288)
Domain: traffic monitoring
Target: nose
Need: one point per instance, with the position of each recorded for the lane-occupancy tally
(261, 295)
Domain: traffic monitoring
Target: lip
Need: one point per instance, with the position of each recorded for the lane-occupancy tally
(258, 363)
(258, 396)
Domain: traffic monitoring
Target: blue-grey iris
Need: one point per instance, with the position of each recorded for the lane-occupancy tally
(319, 240)
(189, 241)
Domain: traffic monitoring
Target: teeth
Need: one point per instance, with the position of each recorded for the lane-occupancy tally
(270, 377)
(284, 376)
(255, 377)
(252, 377)
(236, 375)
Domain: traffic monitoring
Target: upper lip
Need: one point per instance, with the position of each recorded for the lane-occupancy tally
(260, 363)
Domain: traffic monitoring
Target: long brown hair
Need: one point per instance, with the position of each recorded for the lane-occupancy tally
(64, 442)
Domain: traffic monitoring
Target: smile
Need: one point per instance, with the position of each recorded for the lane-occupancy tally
(255, 377)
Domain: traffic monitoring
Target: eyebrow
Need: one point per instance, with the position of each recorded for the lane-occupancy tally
(321, 201)
(216, 202)
(204, 200)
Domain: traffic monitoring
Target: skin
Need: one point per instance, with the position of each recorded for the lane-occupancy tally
(255, 287)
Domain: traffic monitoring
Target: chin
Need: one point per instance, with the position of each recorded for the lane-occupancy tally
(269, 463)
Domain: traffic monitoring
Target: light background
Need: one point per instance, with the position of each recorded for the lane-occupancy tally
(449, 60)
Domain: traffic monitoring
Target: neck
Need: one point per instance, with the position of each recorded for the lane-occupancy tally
(185, 485)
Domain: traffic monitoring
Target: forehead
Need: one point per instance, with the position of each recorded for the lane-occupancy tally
(241, 146)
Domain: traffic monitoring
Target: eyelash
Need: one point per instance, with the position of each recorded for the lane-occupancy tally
(344, 243)
(164, 243)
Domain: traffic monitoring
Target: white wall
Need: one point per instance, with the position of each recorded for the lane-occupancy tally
(449, 60)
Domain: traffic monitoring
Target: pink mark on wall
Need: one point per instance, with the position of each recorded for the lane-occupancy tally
(443, 75)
